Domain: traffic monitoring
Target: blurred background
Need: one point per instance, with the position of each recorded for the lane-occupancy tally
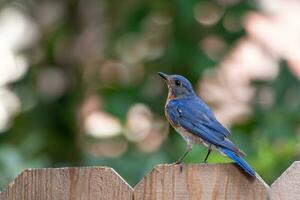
(79, 84)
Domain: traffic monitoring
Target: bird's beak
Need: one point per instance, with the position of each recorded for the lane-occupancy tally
(164, 76)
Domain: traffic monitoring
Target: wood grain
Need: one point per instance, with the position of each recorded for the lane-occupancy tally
(164, 182)
(200, 181)
(287, 186)
(89, 183)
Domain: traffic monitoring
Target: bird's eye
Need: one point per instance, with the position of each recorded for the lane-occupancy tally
(177, 83)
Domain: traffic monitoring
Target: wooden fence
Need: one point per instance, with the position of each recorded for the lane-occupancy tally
(166, 182)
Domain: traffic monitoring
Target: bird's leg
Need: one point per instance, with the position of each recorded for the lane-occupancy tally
(188, 149)
(206, 157)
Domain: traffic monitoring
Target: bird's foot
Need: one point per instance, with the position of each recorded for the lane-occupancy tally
(180, 163)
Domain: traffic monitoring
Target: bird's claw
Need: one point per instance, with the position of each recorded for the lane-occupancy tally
(180, 163)
(177, 163)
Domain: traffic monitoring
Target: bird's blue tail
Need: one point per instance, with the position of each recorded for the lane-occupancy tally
(239, 160)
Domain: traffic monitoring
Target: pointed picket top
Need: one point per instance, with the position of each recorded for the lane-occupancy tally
(200, 181)
(287, 186)
(88, 183)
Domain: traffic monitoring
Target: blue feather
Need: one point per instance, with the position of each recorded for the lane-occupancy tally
(187, 111)
(239, 160)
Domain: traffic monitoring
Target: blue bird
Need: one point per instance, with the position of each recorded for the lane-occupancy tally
(196, 123)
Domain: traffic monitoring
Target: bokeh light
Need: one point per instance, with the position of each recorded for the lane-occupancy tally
(79, 83)
(208, 13)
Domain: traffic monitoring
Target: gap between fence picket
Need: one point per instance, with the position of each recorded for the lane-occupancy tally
(164, 182)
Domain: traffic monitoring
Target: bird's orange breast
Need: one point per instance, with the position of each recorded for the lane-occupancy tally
(170, 97)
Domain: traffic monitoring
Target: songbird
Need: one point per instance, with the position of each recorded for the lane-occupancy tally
(196, 123)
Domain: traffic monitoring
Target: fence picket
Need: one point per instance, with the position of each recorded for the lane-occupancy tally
(199, 181)
(86, 183)
(287, 186)
(164, 182)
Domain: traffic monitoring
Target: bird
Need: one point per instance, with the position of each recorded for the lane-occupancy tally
(195, 122)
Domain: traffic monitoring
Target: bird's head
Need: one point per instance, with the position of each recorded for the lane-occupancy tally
(178, 85)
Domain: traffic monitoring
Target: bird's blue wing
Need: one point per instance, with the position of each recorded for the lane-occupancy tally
(215, 125)
(190, 115)
(196, 109)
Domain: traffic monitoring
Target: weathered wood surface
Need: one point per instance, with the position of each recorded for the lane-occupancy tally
(200, 181)
(164, 182)
(89, 183)
(287, 186)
